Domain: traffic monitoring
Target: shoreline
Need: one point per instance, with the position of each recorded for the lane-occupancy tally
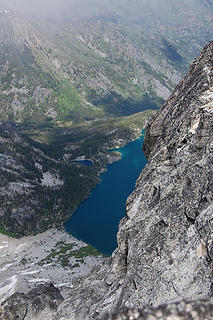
(36, 259)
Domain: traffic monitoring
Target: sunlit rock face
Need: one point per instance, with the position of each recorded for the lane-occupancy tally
(39, 303)
(166, 238)
(197, 310)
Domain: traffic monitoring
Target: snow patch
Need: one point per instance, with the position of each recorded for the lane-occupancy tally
(194, 125)
(7, 290)
(2, 247)
(29, 272)
(134, 208)
(38, 280)
(207, 100)
(67, 285)
(6, 267)
(51, 180)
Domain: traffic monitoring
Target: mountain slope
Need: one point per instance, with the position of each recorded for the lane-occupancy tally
(32, 86)
(33, 185)
(98, 61)
(71, 75)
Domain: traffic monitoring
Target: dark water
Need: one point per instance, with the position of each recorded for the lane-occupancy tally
(85, 162)
(96, 219)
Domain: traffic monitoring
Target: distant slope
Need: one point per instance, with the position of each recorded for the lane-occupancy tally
(81, 72)
(32, 87)
(108, 59)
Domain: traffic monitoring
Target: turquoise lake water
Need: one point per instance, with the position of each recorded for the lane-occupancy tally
(96, 219)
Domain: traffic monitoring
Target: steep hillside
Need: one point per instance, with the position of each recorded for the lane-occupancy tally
(33, 88)
(34, 186)
(108, 59)
(77, 71)
(164, 249)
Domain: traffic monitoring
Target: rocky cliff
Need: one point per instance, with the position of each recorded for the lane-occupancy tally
(39, 303)
(165, 241)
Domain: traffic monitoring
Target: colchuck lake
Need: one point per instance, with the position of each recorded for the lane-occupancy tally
(96, 219)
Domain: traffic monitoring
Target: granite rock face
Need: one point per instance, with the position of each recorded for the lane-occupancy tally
(39, 304)
(165, 241)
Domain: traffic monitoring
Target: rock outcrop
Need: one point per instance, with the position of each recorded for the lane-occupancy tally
(201, 310)
(165, 241)
(39, 303)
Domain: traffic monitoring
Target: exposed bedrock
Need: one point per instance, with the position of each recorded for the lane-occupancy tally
(197, 310)
(165, 242)
(39, 303)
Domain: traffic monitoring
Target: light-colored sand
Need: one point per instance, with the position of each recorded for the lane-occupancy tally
(21, 268)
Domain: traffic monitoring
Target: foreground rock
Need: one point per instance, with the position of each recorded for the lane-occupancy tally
(201, 310)
(39, 303)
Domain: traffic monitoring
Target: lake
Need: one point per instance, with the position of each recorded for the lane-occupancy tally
(96, 219)
(85, 162)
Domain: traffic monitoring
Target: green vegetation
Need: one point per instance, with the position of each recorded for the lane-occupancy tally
(88, 138)
(7, 233)
(117, 105)
(63, 252)
(68, 99)
(71, 106)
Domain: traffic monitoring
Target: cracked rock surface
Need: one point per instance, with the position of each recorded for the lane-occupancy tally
(39, 304)
(200, 310)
